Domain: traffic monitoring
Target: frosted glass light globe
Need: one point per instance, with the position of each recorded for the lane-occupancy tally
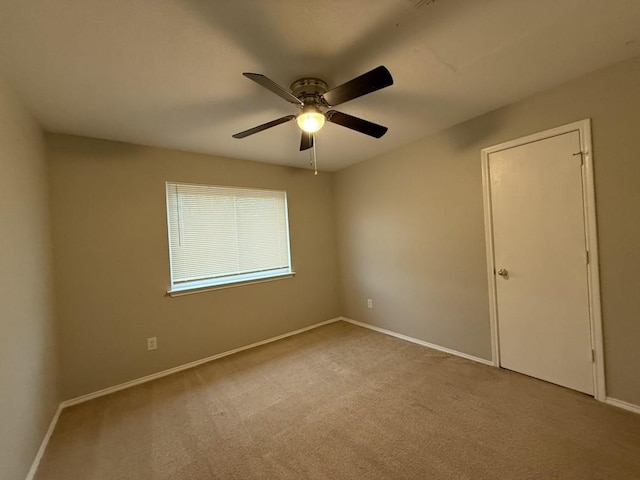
(310, 121)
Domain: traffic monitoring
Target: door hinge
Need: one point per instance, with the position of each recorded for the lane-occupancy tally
(587, 256)
(593, 355)
(581, 157)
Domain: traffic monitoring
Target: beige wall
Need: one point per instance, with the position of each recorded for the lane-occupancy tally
(112, 271)
(28, 364)
(411, 232)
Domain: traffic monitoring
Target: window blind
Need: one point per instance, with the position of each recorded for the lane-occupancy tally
(220, 235)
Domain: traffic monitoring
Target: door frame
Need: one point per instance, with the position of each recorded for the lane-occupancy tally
(583, 127)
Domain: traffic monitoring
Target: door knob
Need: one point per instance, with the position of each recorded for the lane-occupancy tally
(503, 272)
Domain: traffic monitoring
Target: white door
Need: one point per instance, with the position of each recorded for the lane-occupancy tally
(540, 257)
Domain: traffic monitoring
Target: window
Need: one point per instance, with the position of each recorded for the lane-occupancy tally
(224, 235)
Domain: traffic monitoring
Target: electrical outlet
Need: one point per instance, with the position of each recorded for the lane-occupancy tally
(152, 343)
(369, 303)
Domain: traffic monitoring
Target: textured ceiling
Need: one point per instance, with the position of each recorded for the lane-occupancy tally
(169, 73)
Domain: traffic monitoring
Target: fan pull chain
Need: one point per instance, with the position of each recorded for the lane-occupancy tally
(314, 156)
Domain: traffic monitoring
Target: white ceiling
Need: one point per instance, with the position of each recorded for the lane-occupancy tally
(169, 73)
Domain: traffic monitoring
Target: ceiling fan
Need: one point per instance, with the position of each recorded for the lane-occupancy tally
(312, 97)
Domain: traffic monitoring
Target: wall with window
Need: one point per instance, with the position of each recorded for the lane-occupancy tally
(417, 246)
(28, 364)
(112, 261)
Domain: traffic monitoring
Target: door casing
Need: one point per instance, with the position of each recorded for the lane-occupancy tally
(583, 127)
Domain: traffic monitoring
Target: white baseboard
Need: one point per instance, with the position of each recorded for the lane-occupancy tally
(43, 445)
(186, 366)
(419, 342)
(622, 404)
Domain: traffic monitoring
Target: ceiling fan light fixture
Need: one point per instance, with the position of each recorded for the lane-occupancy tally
(310, 120)
(312, 95)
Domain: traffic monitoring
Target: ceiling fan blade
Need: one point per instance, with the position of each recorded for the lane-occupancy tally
(306, 141)
(355, 123)
(269, 84)
(264, 126)
(371, 81)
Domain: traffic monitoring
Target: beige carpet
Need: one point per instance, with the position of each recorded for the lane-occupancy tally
(343, 402)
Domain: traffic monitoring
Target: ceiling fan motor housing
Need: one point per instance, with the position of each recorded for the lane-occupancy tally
(309, 90)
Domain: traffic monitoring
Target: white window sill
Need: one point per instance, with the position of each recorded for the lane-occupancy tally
(178, 292)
